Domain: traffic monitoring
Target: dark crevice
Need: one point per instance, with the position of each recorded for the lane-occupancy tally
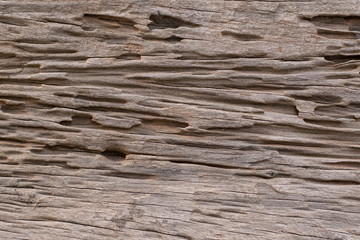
(223, 56)
(109, 69)
(332, 181)
(57, 81)
(129, 175)
(225, 129)
(129, 56)
(93, 21)
(268, 175)
(328, 123)
(351, 21)
(340, 76)
(318, 98)
(171, 39)
(270, 69)
(113, 154)
(213, 165)
(27, 39)
(64, 94)
(335, 34)
(5, 55)
(341, 58)
(112, 109)
(160, 21)
(49, 50)
(343, 27)
(261, 87)
(122, 20)
(80, 120)
(242, 36)
(165, 122)
(14, 109)
(22, 98)
(101, 99)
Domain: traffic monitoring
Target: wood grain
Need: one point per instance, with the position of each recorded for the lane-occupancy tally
(181, 119)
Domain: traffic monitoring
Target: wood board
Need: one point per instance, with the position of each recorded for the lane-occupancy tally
(179, 119)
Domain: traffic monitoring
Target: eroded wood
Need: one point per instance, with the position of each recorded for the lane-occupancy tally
(179, 119)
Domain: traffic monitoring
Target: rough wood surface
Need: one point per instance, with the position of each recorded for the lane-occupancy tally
(183, 119)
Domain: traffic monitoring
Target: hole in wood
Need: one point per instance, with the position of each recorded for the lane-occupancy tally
(114, 154)
(160, 21)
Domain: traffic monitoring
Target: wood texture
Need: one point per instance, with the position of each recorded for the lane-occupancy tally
(179, 119)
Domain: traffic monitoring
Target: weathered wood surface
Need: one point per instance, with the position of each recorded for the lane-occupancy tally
(179, 119)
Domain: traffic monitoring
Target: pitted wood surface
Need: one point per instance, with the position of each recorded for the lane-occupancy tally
(179, 119)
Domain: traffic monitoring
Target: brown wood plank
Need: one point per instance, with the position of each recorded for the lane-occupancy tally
(179, 119)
